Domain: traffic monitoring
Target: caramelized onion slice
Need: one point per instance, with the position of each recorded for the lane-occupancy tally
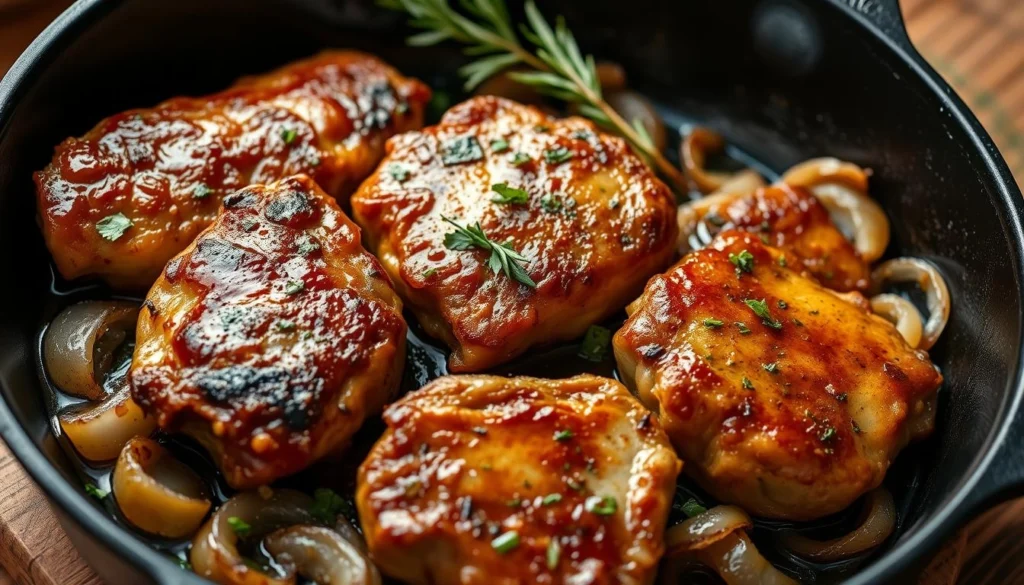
(321, 555)
(99, 431)
(927, 277)
(902, 313)
(842, 189)
(878, 524)
(156, 492)
(717, 539)
(695, 147)
(743, 183)
(79, 344)
(215, 553)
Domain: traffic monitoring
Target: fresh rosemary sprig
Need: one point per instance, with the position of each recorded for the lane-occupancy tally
(561, 71)
(503, 258)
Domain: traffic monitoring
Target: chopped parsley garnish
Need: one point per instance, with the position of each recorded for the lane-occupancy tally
(760, 308)
(747, 384)
(398, 172)
(713, 323)
(550, 203)
(92, 490)
(327, 505)
(551, 499)
(184, 564)
(782, 261)
(239, 526)
(429, 272)
(744, 262)
(294, 287)
(828, 434)
(783, 304)
(557, 155)
(563, 435)
(506, 542)
(595, 344)
(499, 145)
(508, 194)
(744, 330)
(601, 505)
(554, 554)
(201, 191)
(113, 227)
(503, 258)
(772, 368)
(514, 502)
(691, 508)
(519, 159)
(461, 149)
(285, 325)
(288, 135)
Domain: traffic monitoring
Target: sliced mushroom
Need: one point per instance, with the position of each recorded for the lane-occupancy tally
(158, 493)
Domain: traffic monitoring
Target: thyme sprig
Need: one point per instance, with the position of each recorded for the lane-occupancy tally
(560, 69)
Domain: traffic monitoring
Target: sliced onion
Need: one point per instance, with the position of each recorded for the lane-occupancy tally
(927, 277)
(696, 146)
(215, 553)
(716, 539)
(79, 344)
(634, 107)
(902, 313)
(742, 183)
(706, 528)
(842, 189)
(158, 493)
(878, 524)
(99, 431)
(321, 555)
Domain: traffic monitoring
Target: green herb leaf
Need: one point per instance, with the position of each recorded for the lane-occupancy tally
(760, 308)
(828, 434)
(558, 155)
(551, 499)
(772, 368)
(519, 159)
(113, 226)
(506, 542)
(429, 272)
(553, 554)
(239, 526)
(183, 563)
(294, 287)
(288, 135)
(713, 323)
(461, 149)
(499, 145)
(691, 508)
(398, 172)
(563, 435)
(92, 490)
(503, 258)
(201, 191)
(744, 330)
(327, 505)
(744, 262)
(508, 194)
(596, 343)
(550, 203)
(747, 384)
(601, 505)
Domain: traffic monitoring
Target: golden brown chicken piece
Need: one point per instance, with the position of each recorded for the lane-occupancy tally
(272, 337)
(485, 480)
(590, 219)
(782, 396)
(120, 201)
(789, 218)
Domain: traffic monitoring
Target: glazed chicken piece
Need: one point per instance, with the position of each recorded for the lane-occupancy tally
(485, 480)
(782, 396)
(590, 219)
(272, 337)
(123, 199)
(786, 217)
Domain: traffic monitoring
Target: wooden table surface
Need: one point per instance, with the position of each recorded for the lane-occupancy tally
(978, 45)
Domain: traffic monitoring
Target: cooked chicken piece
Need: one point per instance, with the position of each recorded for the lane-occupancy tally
(782, 396)
(590, 219)
(272, 337)
(122, 200)
(789, 218)
(485, 480)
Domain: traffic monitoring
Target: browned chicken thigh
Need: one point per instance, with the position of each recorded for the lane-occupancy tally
(782, 396)
(132, 192)
(484, 480)
(272, 337)
(587, 219)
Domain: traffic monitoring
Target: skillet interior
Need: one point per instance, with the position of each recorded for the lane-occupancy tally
(783, 81)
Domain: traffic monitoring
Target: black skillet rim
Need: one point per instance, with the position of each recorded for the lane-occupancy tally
(896, 560)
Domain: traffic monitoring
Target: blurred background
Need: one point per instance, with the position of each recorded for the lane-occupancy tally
(977, 45)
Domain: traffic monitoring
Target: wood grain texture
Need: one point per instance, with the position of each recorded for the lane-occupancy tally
(977, 45)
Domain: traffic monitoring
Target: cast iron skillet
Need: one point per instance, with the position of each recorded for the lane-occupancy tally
(784, 80)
